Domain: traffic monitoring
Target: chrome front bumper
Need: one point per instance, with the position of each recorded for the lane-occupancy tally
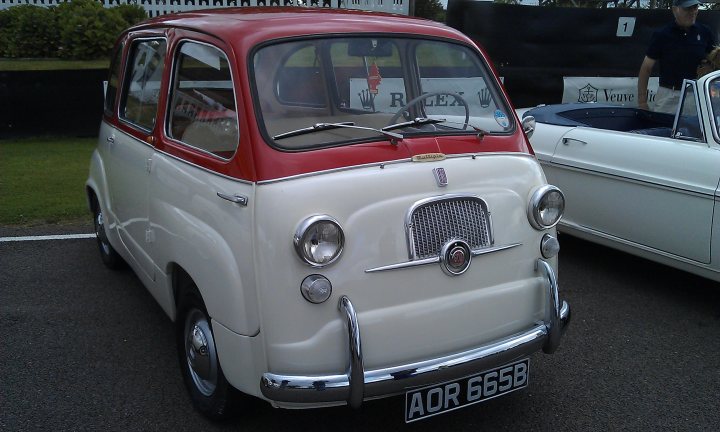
(358, 384)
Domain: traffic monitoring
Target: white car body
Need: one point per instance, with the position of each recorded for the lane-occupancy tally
(209, 200)
(652, 196)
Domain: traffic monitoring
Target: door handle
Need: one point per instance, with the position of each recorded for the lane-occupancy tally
(110, 140)
(237, 199)
(567, 141)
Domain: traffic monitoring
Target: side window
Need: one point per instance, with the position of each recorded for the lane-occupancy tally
(113, 81)
(202, 108)
(139, 101)
(715, 101)
(688, 121)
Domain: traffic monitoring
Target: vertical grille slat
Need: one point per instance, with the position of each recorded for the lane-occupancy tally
(436, 222)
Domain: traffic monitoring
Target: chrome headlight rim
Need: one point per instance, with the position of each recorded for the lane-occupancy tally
(302, 230)
(536, 199)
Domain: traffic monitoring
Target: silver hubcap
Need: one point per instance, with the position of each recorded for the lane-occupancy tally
(100, 232)
(200, 352)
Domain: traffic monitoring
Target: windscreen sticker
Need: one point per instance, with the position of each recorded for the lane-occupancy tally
(374, 78)
(502, 119)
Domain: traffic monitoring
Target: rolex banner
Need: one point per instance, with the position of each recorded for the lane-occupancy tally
(616, 91)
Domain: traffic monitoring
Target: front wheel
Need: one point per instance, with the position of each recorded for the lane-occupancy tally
(210, 392)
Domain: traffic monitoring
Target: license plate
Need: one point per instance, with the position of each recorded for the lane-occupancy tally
(441, 398)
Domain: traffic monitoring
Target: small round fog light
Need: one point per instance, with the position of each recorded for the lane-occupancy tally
(316, 288)
(549, 246)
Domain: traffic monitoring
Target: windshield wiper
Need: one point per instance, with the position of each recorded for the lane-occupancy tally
(317, 127)
(481, 132)
(424, 120)
(418, 121)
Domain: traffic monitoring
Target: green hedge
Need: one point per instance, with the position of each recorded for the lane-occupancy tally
(78, 29)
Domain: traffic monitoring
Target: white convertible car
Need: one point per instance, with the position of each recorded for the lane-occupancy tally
(642, 182)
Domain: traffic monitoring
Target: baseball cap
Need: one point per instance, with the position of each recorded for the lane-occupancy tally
(685, 3)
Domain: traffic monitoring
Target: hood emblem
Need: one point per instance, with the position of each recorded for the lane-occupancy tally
(429, 157)
(455, 257)
(440, 177)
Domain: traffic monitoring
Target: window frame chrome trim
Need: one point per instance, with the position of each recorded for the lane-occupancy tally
(124, 86)
(169, 99)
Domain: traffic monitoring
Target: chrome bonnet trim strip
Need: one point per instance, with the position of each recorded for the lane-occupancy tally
(392, 162)
(433, 260)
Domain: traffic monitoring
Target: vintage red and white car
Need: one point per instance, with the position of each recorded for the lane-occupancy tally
(333, 206)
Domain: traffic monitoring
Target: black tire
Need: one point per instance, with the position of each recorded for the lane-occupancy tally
(108, 254)
(209, 390)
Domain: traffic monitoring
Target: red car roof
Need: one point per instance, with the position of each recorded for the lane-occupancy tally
(260, 24)
(244, 28)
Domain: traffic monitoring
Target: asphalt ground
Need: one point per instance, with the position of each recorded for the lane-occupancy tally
(84, 348)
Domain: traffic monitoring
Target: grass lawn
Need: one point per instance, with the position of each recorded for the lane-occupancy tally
(29, 64)
(42, 180)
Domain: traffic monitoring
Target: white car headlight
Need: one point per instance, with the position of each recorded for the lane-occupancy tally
(546, 207)
(319, 240)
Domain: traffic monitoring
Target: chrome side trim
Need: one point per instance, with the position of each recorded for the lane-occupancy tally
(707, 193)
(578, 230)
(397, 161)
(433, 260)
(202, 168)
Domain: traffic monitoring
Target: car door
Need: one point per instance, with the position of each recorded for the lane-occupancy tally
(654, 192)
(201, 196)
(132, 146)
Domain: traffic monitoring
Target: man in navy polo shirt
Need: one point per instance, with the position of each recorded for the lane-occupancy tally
(679, 47)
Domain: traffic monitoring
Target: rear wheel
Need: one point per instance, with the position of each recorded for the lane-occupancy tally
(210, 392)
(108, 254)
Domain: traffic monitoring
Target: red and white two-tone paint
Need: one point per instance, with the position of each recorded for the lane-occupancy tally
(333, 206)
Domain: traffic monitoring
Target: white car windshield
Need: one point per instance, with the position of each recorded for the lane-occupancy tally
(335, 91)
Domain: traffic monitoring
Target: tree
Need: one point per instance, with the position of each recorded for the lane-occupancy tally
(430, 9)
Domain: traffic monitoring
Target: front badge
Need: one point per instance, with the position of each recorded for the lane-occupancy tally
(440, 177)
(455, 257)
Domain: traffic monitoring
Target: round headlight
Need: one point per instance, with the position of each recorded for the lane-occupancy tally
(319, 240)
(546, 207)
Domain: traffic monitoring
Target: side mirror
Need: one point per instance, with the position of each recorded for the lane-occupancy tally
(528, 125)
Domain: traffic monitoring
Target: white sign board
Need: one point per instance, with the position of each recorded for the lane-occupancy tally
(390, 96)
(616, 91)
(626, 26)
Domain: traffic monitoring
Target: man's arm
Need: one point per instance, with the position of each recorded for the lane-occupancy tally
(643, 78)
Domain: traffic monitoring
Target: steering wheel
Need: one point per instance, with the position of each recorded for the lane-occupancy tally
(403, 110)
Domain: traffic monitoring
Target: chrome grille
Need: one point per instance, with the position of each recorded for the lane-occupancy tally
(432, 223)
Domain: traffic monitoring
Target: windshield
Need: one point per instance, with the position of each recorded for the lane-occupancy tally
(337, 91)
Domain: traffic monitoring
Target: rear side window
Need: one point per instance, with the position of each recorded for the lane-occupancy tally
(142, 85)
(113, 81)
(202, 110)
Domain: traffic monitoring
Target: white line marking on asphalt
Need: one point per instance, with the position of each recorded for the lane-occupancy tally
(47, 237)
